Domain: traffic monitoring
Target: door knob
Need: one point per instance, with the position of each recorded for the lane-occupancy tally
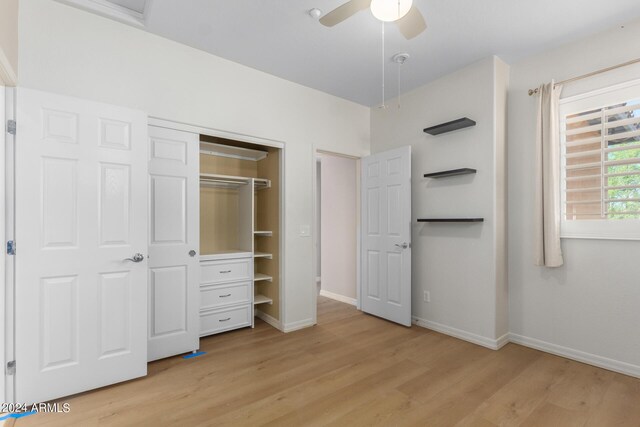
(192, 253)
(136, 258)
(403, 245)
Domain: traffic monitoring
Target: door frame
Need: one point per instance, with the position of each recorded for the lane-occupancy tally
(7, 278)
(316, 232)
(170, 124)
(3, 321)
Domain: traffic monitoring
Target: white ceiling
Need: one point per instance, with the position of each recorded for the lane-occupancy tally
(280, 38)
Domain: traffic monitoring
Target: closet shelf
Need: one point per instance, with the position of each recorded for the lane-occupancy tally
(261, 299)
(258, 277)
(452, 172)
(223, 150)
(462, 123)
(450, 219)
(263, 233)
(226, 254)
(262, 255)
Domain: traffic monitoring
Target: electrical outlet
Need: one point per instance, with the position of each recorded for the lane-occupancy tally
(427, 296)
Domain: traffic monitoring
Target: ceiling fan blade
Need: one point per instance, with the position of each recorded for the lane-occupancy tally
(343, 12)
(412, 23)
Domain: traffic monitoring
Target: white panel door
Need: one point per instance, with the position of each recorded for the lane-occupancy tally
(386, 235)
(81, 211)
(174, 233)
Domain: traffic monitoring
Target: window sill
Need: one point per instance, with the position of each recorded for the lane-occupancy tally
(597, 237)
(601, 230)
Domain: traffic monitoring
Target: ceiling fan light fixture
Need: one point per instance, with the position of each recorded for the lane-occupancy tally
(390, 10)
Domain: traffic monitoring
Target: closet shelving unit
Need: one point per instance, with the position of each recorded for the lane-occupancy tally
(237, 196)
(258, 278)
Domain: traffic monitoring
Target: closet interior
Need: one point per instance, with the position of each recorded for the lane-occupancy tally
(239, 234)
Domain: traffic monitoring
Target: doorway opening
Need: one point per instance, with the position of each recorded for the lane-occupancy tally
(337, 225)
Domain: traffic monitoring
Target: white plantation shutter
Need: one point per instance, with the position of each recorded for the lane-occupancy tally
(600, 137)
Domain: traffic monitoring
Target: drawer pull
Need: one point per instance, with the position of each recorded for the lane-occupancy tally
(224, 320)
(225, 272)
(225, 296)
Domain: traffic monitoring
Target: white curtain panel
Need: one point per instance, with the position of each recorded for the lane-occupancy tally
(548, 252)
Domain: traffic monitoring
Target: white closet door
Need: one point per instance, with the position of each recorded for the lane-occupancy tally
(81, 210)
(386, 235)
(174, 233)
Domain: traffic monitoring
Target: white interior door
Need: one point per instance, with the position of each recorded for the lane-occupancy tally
(386, 235)
(174, 242)
(81, 211)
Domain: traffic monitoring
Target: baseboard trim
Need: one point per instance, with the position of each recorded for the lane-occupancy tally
(461, 334)
(577, 355)
(558, 350)
(269, 319)
(502, 341)
(338, 297)
(300, 324)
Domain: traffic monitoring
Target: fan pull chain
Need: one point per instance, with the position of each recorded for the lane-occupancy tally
(400, 59)
(399, 91)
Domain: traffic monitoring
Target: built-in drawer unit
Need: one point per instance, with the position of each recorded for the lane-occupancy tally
(223, 271)
(215, 321)
(223, 295)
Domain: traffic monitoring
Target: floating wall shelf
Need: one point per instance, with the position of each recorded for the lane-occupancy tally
(452, 172)
(462, 123)
(450, 219)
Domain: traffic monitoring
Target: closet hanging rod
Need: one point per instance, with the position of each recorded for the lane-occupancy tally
(591, 74)
(220, 182)
(218, 177)
(261, 183)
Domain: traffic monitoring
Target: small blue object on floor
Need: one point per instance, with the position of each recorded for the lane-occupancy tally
(17, 415)
(192, 355)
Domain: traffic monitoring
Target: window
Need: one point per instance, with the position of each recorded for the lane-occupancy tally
(600, 135)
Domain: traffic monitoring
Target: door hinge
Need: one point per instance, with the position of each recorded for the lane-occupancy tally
(11, 247)
(11, 367)
(11, 127)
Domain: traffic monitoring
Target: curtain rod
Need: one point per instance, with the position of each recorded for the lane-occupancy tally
(594, 73)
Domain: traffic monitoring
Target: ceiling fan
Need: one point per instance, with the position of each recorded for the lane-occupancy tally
(407, 17)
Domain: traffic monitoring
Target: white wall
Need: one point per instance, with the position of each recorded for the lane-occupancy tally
(456, 263)
(338, 224)
(590, 307)
(71, 52)
(8, 41)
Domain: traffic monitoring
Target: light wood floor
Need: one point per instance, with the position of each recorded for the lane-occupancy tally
(357, 370)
